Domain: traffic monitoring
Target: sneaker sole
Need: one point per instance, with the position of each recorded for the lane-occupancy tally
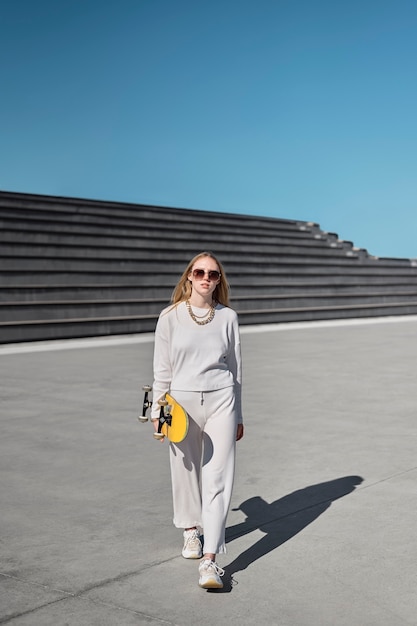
(192, 555)
(211, 584)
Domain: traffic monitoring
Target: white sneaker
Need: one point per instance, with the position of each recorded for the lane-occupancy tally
(210, 575)
(192, 545)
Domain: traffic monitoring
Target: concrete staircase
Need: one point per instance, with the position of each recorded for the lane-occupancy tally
(77, 268)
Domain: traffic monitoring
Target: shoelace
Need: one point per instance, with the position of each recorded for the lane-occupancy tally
(207, 564)
(192, 536)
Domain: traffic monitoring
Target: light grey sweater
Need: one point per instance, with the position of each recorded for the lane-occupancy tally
(190, 357)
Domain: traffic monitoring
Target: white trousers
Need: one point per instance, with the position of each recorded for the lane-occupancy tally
(203, 465)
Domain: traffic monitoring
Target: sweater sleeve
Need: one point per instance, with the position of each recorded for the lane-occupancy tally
(161, 364)
(234, 360)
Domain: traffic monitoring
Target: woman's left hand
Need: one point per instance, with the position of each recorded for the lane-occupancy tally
(239, 432)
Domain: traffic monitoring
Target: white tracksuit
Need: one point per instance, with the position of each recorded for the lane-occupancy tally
(201, 367)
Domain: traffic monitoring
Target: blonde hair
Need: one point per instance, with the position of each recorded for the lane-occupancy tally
(183, 289)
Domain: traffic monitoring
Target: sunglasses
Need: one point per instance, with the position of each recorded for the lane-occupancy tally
(212, 274)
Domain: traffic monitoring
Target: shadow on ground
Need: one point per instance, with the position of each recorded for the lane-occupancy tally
(281, 520)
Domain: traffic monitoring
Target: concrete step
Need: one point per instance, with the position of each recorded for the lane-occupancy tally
(65, 328)
(126, 238)
(250, 277)
(70, 309)
(163, 232)
(142, 215)
(148, 248)
(36, 293)
(163, 290)
(40, 330)
(254, 265)
(301, 314)
(318, 299)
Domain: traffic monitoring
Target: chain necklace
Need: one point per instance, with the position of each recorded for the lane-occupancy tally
(196, 318)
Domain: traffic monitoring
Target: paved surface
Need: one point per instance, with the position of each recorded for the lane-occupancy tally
(323, 528)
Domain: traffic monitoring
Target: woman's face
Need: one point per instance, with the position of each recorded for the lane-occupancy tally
(204, 276)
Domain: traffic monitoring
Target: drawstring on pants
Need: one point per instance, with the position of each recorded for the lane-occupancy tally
(202, 399)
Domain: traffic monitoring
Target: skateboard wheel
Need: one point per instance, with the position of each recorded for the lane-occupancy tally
(147, 388)
(142, 418)
(163, 402)
(158, 436)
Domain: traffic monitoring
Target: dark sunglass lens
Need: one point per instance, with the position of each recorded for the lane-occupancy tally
(212, 274)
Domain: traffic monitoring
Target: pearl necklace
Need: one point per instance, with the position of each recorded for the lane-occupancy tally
(210, 313)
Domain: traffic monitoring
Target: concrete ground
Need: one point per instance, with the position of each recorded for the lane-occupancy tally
(323, 528)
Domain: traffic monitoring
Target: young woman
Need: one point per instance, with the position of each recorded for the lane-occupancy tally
(197, 359)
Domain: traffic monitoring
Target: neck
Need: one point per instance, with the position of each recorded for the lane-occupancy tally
(201, 301)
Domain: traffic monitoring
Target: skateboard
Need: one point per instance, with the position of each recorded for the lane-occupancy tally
(173, 418)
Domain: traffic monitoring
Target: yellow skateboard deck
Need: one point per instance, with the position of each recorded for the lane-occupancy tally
(175, 427)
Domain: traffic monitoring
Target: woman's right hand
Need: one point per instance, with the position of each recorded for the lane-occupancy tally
(239, 432)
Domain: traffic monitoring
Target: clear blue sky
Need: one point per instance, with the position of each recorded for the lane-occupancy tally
(301, 109)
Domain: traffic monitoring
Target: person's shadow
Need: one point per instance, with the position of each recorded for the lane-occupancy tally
(281, 520)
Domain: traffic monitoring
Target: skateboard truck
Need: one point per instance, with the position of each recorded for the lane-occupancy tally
(164, 414)
(146, 404)
(164, 417)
